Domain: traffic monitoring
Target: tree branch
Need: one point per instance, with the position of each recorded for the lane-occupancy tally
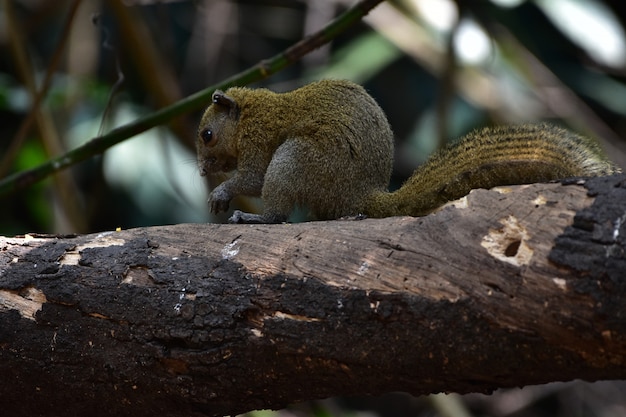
(514, 287)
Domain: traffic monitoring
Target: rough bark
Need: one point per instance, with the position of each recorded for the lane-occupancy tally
(511, 287)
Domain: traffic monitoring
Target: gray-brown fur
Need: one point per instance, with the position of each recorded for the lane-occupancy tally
(325, 146)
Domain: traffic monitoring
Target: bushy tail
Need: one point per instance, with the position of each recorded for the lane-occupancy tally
(493, 157)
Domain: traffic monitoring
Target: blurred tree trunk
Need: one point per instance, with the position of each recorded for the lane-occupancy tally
(519, 286)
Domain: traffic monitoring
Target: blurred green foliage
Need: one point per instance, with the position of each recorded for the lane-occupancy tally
(35, 202)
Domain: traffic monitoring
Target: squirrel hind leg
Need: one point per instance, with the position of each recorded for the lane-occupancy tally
(279, 195)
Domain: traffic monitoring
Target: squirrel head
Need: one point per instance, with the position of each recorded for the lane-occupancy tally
(215, 143)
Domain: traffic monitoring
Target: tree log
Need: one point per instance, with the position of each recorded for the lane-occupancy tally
(508, 287)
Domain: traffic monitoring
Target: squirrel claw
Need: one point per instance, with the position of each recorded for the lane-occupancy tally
(240, 217)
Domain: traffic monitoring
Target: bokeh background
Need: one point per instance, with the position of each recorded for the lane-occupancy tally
(439, 68)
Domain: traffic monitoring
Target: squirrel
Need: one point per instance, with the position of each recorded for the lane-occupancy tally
(328, 146)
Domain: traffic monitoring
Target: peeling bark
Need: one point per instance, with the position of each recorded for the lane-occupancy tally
(515, 286)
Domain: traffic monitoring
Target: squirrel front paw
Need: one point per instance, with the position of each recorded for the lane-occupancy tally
(219, 200)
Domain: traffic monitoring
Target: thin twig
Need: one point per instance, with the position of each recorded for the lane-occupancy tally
(106, 44)
(447, 88)
(257, 72)
(40, 94)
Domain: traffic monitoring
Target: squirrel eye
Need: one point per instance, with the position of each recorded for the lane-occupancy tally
(207, 137)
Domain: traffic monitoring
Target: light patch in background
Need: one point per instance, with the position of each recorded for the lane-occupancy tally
(471, 43)
(507, 3)
(588, 23)
(592, 26)
(152, 166)
(440, 14)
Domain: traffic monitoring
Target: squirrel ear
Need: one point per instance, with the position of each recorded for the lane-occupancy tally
(226, 102)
